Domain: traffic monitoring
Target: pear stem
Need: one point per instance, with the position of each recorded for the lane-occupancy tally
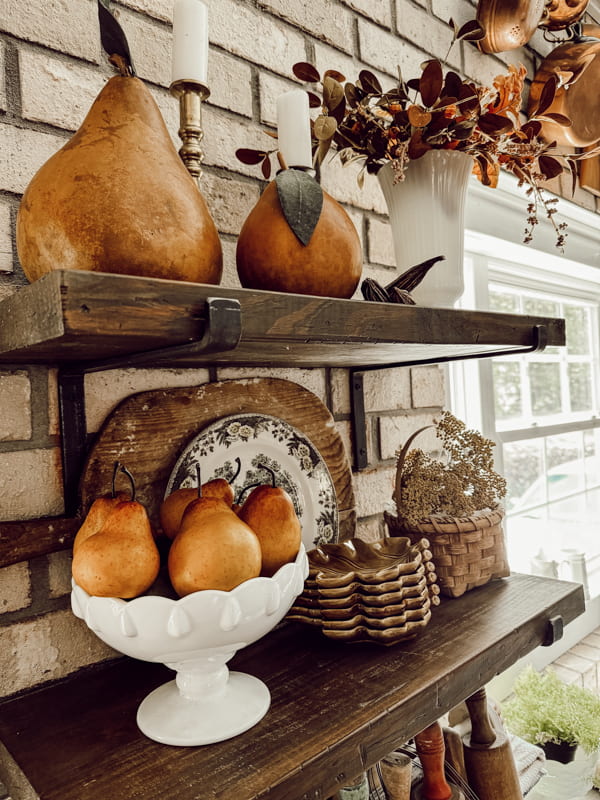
(116, 467)
(238, 470)
(270, 471)
(199, 478)
(131, 481)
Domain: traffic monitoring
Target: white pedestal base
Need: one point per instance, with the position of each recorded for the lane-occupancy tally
(170, 718)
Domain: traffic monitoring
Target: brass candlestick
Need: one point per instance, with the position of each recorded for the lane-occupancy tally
(190, 94)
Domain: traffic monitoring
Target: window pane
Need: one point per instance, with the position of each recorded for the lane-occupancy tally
(564, 463)
(578, 329)
(507, 389)
(503, 301)
(536, 306)
(524, 470)
(580, 387)
(545, 388)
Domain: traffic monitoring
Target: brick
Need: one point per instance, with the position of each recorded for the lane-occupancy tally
(582, 666)
(373, 490)
(427, 31)
(377, 10)
(71, 25)
(59, 573)
(386, 389)
(3, 99)
(427, 387)
(15, 402)
(57, 92)
(311, 379)
(230, 83)
(326, 19)
(150, 47)
(159, 9)
(30, 484)
(460, 11)
(381, 243)
(46, 648)
(23, 153)
(340, 391)
(255, 36)
(229, 200)
(395, 430)
(387, 52)
(6, 248)
(15, 591)
(341, 183)
(104, 390)
(230, 276)
(223, 135)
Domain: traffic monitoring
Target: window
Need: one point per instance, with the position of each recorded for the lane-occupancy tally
(543, 408)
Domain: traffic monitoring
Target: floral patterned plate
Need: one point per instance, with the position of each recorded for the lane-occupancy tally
(264, 444)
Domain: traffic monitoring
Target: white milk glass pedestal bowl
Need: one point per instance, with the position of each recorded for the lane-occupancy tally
(196, 636)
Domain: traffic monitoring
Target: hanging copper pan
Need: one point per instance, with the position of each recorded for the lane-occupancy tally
(508, 24)
(577, 66)
(562, 14)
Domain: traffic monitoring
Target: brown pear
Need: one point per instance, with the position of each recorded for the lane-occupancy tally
(121, 559)
(173, 507)
(214, 549)
(270, 512)
(118, 198)
(270, 256)
(96, 517)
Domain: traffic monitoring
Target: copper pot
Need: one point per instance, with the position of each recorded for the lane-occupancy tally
(508, 24)
(562, 14)
(577, 66)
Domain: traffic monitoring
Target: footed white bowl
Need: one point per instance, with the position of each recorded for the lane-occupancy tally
(196, 636)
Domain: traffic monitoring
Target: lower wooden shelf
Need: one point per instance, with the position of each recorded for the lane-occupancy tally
(336, 708)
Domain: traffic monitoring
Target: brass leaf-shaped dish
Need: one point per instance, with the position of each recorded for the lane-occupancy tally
(508, 24)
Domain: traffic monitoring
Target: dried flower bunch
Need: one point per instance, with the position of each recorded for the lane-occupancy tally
(461, 484)
(438, 111)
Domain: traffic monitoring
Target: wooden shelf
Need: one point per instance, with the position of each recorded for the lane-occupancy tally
(336, 708)
(74, 317)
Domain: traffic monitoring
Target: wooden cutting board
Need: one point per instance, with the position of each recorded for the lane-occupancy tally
(148, 431)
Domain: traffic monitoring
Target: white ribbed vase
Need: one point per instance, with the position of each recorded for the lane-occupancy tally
(427, 218)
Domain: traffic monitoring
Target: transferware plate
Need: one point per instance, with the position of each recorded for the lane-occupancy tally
(264, 444)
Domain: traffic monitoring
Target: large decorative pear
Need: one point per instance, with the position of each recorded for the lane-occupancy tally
(326, 261)
(117, 198)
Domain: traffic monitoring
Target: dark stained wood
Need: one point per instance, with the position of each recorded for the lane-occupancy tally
(73, 316)
(336, 708)
(148, 431)
(23, 540)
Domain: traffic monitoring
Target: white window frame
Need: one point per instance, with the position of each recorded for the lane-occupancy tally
(494, 225)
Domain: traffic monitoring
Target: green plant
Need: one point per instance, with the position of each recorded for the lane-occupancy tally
(462, 482)
(545, 709)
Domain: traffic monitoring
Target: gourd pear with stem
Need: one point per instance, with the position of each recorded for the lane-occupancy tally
(99, 511)
(121, 559)
(213, 548)
(172, 508)
(270, 512)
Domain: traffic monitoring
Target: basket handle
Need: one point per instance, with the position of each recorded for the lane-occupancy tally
(397, 494)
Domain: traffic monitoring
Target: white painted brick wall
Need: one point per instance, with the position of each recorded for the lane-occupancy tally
(15, 591)
(159, 9)
(30, 484)
(387, 52)
(419, 27)
(229, 200)
(326, 19)
(2, 78)
(6, 249)
(70, 26)
(395, 430)
(15, 405)
(386, 389)
(256, 36)
(23, 153)
(57, 91)
(427, 386)
(377, 10)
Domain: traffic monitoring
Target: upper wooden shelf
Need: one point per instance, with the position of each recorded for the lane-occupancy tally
(336, 708)
(71, 317)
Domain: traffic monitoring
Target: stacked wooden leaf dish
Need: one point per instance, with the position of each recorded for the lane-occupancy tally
(358, 591)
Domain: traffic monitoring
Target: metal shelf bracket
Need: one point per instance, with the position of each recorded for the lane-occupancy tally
(222, 332)
(357, 396)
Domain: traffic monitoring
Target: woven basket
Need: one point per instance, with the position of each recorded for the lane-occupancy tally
(467, 551)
